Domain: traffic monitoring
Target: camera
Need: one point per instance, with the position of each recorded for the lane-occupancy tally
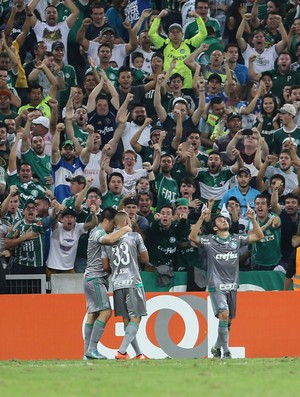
(247, 131)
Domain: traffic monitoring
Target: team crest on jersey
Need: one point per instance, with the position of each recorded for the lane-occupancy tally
(182, 51)
(233, 245)
(172, 239)
(34, 193)
(107, 120)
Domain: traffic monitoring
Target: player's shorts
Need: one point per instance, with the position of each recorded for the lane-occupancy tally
(130, 302)
(96, 294)
(223, 301)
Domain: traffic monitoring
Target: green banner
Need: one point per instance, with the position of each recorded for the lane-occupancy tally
(249, 281)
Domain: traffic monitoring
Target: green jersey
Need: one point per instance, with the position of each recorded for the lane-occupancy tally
(40, 165)
(266, 252)
(30, 252)
(267, 131)
(80, 135)
(42, 106)
(111, 200)
(30, 190)
(186, 254)
(281, 134)
(167, 190)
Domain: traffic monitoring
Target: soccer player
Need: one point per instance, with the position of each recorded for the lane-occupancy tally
(129, 298)
(222, 249)
(95, 282)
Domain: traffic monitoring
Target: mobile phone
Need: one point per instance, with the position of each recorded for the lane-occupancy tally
(247, 131)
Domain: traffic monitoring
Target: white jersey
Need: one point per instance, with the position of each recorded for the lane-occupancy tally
(264, 61)
(118, 53)
(130, 179)
(130, 129)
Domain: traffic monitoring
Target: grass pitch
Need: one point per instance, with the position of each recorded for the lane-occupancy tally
(153, 378)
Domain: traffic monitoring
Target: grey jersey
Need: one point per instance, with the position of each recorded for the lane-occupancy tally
(123, 258)
(223, 260)
(94, 265)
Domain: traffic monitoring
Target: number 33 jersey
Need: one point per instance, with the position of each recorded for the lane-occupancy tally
(124, 260)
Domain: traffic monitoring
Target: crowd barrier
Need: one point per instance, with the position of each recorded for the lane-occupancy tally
(178, 325)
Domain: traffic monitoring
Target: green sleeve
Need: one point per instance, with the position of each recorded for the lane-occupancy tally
(201, 35)
(155, 38)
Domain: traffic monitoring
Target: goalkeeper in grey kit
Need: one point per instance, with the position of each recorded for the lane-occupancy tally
(222, 249)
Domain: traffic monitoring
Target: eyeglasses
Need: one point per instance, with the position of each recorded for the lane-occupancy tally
(129, 158)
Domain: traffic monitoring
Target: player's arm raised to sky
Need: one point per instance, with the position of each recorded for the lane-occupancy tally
(196, 229)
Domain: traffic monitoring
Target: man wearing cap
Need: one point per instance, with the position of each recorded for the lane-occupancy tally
(34, 154)
(222, 136)
(5, 106)
(107, 35)
(27, 187)
(64, 241)
(222, 249)
(50, 29)
(77, 185)
(28, 240)
(244, 193)
(66, 72)
(175, 47)
(281, 76)
(65, 162)
(288, 129)
(146, 151)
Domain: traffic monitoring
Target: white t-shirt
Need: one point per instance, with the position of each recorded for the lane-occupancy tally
(50, 34)
(264, 61)
(130, 179)
(118, 53)
(130, 129)
(93, 168)
(63, 247)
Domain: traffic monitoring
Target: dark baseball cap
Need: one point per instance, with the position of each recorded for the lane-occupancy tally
(57, 44)
(130, 200)
(234, 115)
(108, 29)
(68, 211)
(215, 76)
(156, 128)
(76, 178)
(68, 142)
(244, 169)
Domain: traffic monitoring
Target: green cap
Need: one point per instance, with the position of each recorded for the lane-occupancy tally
(182, 201)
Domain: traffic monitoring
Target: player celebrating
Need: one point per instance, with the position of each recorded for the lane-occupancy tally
(129, 298)
(222, 250)
(95, 283)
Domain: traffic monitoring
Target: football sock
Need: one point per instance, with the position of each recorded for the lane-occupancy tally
(218, 344)
(223, 334)
(136, 347)
(98, 330)
(130, 334)
(88, 329)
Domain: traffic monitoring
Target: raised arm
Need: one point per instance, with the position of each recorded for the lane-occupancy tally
(232, 144)
(133, 43)
(239, 34)
(81, 196)
(196, 228)
(282, 44)
(72, 18)
(80, 38)
(260, 184)
(26, 132)
(189, 165)
(115, 99)
(32, 5)
(160, 110)
(86, 152)
(275, 206)
(145, 14)
(178, 132)
(134, 140)
(239, 162)
(113, 143)
(257, 232)
(91, 103)
(201, 105)
(12, 162)
(55, 143)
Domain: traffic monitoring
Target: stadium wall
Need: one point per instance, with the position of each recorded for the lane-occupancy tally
(179, 325)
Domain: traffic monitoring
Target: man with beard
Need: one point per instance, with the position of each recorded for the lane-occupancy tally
(222, 249)
(27, 187)
(104, 55)
(243, 192)
(281, 76)
(51, 30)
(214, 179)
(145, 201)
(76, 126)
(65, 162)
(35, 154)
(145, 48)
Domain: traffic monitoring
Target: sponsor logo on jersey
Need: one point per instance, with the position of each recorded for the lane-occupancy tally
(228, 256)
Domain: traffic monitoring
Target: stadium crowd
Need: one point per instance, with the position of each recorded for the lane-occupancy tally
(159, 108)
